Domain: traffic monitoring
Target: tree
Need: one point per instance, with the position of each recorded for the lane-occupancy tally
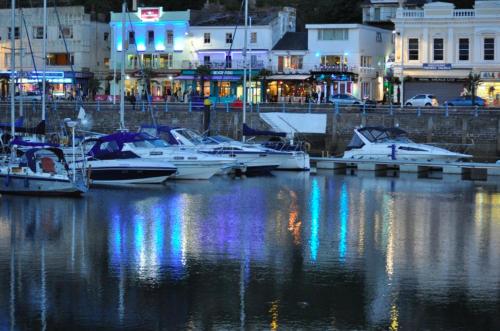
(473, 81)
(94, 86)
(202, 72)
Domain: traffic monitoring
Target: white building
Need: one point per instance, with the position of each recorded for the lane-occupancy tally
(156, 41)
(384, 11)
(438, 46)
(77, 49)
(348, 58)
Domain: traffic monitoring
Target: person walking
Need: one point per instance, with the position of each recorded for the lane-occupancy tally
(207, 103)
(132, 100)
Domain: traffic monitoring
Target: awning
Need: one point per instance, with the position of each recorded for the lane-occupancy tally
(288, 77)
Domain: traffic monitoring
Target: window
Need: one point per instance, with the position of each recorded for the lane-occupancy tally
(151, 37)
(38, 32)
(489, 49)
(253, 37)
(413, 49)
(438, 49)
(66, 32)
(106, 36)
(224, 89)
(229, 61)
(463, 49)
(206, 59)
(16, 33)
(206, 38)
(229, 38)
(131, 37)
(378, 38)
(59, 59)
(294, 62)
(170, 37)
(333, 34)
(366, 61)
(253, 60)
(165, 61)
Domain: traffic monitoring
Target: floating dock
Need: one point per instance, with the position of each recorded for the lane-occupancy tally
(470, 169)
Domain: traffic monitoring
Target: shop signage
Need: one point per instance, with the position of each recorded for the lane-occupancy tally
(439, 79)
(150, 14)
(437, 66)
(494, 75)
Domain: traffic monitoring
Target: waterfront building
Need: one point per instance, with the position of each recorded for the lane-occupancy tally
(437, 46)
(348, 59)
(382, 12)
(77, 49)
(156, 46)
(217, 42)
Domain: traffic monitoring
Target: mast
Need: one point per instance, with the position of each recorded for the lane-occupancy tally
(122, 77)
(12, 68)
(245, 46)
(21, 57)
(44, 51)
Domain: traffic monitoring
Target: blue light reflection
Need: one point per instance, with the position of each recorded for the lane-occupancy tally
(315, 212)
(344, 216)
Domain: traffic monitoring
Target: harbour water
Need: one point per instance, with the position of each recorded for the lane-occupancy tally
(288, 251)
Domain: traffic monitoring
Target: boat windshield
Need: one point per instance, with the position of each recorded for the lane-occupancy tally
(222, 139)
(385, 135)
(192, 136)
(159, 143)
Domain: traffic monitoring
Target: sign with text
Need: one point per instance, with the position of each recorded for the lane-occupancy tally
(490, 75)
(437, 66)
(150, 14)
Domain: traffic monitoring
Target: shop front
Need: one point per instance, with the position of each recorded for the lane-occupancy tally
(327, 84)
(162, 85)
(223, 86)
(489, 87)
(288, 88)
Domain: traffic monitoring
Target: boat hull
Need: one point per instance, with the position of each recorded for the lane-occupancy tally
(408, 157)
(42, 186)
(296, 161)
(196, 171)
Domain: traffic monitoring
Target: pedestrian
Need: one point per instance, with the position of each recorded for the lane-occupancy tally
(132, 100)
(207, 103)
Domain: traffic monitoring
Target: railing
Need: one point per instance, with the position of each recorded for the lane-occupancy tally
(464, 13)
(412, 13)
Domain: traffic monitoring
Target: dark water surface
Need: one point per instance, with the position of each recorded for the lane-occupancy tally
(291, 251)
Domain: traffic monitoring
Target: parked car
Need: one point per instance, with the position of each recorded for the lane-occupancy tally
(30, 96)
(466, 101)
(422, 100)
(344, 99)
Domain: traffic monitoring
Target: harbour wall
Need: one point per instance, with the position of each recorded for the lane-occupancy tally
(472, 131)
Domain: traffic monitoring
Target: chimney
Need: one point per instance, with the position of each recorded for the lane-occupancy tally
(134, 5)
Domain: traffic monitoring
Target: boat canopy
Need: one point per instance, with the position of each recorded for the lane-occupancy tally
(248, 131)
(110, 146)
(161, 131)
(31, 156)
(379, 134)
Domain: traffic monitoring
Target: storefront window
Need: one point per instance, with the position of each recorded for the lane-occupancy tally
(224, 89)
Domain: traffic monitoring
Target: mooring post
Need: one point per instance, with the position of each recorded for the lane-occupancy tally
(98, 106)
(419, 112)
(446, 113)
(166, 106)
(190, 106)
(337, 110)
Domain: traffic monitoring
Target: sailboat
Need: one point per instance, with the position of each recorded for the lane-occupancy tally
(39, 170)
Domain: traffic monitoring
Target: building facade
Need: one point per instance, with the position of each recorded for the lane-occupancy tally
(77, 50)
(436, 48)
(348, 58)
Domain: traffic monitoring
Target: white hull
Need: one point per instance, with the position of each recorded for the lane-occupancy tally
(296, 161)
(196, 171)
(39, 185)
(446, 158)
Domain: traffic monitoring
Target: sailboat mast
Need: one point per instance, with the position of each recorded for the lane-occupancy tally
(122, 77)
(12, 68)
(44, 51)
(245, 46)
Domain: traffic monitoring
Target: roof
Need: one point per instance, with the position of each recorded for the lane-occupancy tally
(231, 18)
(292, 41)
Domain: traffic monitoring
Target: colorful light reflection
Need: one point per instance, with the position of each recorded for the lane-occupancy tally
(315, 212)
(344, 216)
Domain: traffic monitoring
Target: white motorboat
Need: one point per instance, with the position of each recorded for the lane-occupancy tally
(375, 143)
(190, 164)
(40, 171)
(256, 159)
(109, 164)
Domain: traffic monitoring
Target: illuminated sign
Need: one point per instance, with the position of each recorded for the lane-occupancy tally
(150, 14)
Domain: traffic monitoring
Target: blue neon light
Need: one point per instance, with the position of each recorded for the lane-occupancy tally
(315, 211)
(344, 216)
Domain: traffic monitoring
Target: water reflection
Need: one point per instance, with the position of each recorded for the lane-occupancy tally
(287, 252)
